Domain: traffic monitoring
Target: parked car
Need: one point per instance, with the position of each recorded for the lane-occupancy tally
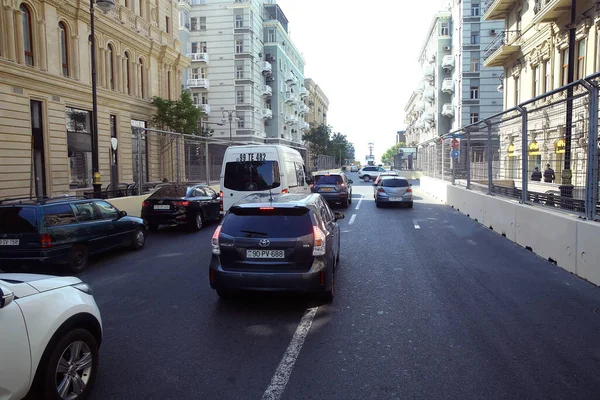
(63, 230)
(181, 204)
(389, 173)
(335, 188)
(50, 334)
(288, 242)
(393, 190)
(354, 168)
(370, 172)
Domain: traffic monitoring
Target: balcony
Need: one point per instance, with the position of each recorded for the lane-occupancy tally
(448, 63)
(290, 98)
(304, 108)
(448, 86)
(198, 57)
(550, 10)
(289, 79)
(295, 81)
(304, 125)
(198, 83)
(267, 113)
(429, 94)
(205, 108)
(421, 86)
(420, 106)
(448, 110)
(497, 9)
(303, 92)
(290, 120)
(429, 72)
(266, 67)
(267, 90)
(503, 47)
(428, 116)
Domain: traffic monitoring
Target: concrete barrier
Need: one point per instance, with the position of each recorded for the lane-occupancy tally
(565, 239)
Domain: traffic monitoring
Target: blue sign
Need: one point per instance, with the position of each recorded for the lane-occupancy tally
(454, 153)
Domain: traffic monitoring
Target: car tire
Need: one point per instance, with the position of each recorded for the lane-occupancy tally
(82, 341)
(410, 205)
(198, 222)
(366, 178)
(225, 294)
(377, 204)
(139, 239)
(330, 294)
(78, 259)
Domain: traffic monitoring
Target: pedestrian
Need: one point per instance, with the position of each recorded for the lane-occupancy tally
(536, 175)
(549, 176)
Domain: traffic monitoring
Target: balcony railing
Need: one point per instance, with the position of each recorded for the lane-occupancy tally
(267, 90)
(448, 62)
(266, 67)
(496, 9)
(448, 86)
(205, 108)
(549, 10)
(304, 108)
(267, 113)
(198, 57)
(505, 41)
(198, 83)
(429, 94)
(303, 92)
(290, 97)
(429, 71)
(448, 110)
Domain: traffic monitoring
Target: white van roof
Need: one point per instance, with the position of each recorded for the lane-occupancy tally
(245, 147)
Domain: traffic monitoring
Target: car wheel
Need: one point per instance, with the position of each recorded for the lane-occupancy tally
(328, 295)
(78, 259)
(225, 294)
(377, 203)
(198, 222)
(71, 369)
(139, 239)
(410, 205)
(366, 178)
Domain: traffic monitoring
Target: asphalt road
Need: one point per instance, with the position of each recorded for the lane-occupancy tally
(429, 305)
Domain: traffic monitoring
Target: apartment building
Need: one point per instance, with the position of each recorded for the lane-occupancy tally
(317, 102)
(533, 51)
(45, 91)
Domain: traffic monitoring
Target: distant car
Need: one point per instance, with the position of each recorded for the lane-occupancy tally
(181, 204)
(291, 243)
(354, 168)
(63, 230)
(370, 172)
(389, 173)
(335, 188)
(393, 190)
(50, 334)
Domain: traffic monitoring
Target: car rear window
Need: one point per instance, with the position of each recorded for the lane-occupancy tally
(328, 180)
(17, 220)
(59, 214)
(395, 183)
(250, 176)
(275, 223)
(170, 191)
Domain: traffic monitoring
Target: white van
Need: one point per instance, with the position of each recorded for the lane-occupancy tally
(253, 168)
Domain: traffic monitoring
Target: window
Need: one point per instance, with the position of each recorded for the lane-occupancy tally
(251, 176)
(299, 172)
(127, 73)
(111, 67)
(199, 192)
(565, 67)
(239, 21)
(203, 47)
(536, 81)
(107, 211)
(474, 64)
(239, 71)
(239, 46)
(58, 215)
(291, 173)
(64, 52)
(240, 97)
(85, 212)
(580, 59)
(240, 123)
(271, 35)
(547, 76)
(475, 9)
(27, 35)
(517, 91)
(17, 219)
(194, 24)
(277, 223)
(167, 24)
(445, 29)
(202, 23)
(474, 117)
(474, 93)
(79, 146)
(204, 98)
(195, 47)
(142, 80)
(394, 182)
(199, 47)
(139, 151)
(475, 38)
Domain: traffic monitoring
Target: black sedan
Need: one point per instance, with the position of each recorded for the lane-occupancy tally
(181, 204)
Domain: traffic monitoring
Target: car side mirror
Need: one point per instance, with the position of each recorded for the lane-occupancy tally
(339, 215)
(350, 181)
(6, 296)
(122, 214)
(310, 181)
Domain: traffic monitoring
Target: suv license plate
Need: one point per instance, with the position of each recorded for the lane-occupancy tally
(162, 207)
(395, 198)
(265, 254)
(9, 242)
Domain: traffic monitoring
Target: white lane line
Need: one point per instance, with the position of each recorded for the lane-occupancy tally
(359, 202)
(416, 224)
(352, 218)
(471, 242)
(284, 370)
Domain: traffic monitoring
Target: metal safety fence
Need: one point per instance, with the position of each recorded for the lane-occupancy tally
(542, 152)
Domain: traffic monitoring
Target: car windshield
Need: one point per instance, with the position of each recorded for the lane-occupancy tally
(272, 223)
(391, 182)
(17, 220)
(171, 191)
(249, 176)
(328, 180)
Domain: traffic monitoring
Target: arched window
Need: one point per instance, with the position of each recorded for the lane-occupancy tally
(142, 80)
(27, 35)
(128, 73)
(64, 52)
(111, 67)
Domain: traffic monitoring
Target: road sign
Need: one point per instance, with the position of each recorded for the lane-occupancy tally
(454, 153)
(455, 144)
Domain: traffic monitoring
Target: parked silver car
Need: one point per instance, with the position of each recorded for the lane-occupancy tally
(393, 190)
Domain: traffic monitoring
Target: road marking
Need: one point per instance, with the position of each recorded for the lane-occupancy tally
(416, 224)
(352, 218)
(471, 242)
(359, 202)
(284, 370)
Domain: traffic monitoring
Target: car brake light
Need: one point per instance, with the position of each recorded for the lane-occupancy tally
(380, 190)
(146, 204)
(319, 248)
(409, 190)
(46, 241)
(285, 191)
(266, 208)
(181, 203)
(221, 200)
(215, 241)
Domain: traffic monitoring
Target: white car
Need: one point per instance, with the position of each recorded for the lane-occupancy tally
(50, 333)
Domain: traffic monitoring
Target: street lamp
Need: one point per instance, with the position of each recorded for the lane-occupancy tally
(228, 115)
(106, 6)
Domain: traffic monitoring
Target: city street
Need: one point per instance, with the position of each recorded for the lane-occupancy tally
(429, 304)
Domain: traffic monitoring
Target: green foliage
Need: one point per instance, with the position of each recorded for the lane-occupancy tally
(322, 141)
(389, 154)
(318, 138)
(181, 116)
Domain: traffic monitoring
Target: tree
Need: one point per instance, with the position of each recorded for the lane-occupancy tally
(318, 138)
(181, 116)
(389, 154)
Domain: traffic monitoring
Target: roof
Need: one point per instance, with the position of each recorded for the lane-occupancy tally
(279, 200)
(438, 15)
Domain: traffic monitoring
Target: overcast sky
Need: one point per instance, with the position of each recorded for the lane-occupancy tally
(363, 54)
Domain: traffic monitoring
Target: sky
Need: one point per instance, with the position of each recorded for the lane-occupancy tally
(364, 57)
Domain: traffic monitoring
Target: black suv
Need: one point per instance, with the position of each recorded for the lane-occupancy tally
(63, 230)
(287, 242)
(335, 188)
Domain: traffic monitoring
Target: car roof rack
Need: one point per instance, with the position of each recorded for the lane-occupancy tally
(32, 198)
(44, 199)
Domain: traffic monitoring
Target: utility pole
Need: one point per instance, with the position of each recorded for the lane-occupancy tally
(566, 187)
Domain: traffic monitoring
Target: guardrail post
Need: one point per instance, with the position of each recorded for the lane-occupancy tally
(140, 161)
(453, 161)
(489, 155)
(468, 158)
(443, 156)
(524, 159)
(591, 182)
(207, 162)
(178, 159)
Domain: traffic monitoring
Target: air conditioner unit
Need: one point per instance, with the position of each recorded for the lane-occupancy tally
(446, 48)
(492, 31)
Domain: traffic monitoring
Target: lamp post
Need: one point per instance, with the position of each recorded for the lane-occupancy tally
(106, 6)
(228, 115)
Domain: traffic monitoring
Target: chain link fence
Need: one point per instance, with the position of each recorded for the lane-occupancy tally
(554, 164)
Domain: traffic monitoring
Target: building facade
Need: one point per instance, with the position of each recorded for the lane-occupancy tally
(45, 91)
(317, 103)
